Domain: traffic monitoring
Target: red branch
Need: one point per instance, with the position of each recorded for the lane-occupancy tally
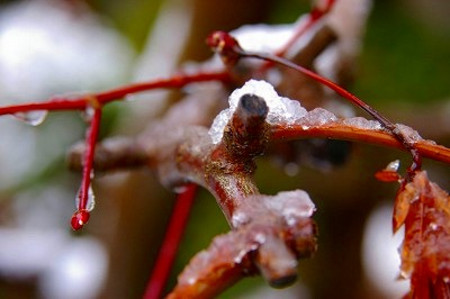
(81, 103)
(81, 216)
(172, 238)
(339, 130)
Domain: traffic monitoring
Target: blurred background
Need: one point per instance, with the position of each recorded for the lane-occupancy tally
(51, 47)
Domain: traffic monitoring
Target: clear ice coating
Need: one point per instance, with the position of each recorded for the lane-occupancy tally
(291, 204)
(33, 118)
(410, 134)
(281, 110)
(90, 205)
(316, 117)
(361, 122)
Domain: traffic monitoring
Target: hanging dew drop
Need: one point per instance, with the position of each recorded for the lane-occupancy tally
(91, 199)
(33, 118)
(88, 113)
(90, 204)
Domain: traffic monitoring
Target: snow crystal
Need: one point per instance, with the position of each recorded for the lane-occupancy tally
(281, 110)
(292, 205)
(316, 117)
(361, 122)
(409, 133)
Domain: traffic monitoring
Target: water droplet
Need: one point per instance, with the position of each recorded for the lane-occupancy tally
(393, 166)
(90, 204)
(79, 219)
(389, 173)
(33, 118)
(88, 113)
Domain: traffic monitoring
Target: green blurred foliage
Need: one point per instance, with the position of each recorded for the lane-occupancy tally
(403, 59)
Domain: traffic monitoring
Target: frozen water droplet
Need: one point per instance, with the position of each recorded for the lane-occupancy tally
(393, 166)
(33, 118)
(88, 113)
(79, 219)
(90, 204)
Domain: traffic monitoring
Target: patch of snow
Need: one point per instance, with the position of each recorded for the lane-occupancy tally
(281, 110)
(410, 134)
(291, 204)
(316, 117)
(361, 122)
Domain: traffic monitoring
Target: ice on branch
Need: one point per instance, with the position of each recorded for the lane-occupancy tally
(281, 110)
(292, 205)
(361, 122)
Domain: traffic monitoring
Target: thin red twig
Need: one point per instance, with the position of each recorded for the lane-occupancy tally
(172, 238)
(417, 160)
(81, 103)
(81, 216)
(344, 132)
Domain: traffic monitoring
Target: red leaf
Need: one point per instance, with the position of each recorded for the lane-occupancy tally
(424, 208)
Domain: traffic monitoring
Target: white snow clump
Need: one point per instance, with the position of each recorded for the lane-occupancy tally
(281, 110)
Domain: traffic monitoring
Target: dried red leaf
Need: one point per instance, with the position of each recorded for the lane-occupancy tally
(424, 208)
(402, 205)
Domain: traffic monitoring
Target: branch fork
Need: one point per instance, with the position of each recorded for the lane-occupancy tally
(269, 232)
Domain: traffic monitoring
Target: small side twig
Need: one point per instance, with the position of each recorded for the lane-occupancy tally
(81, 103)
(172, 238)
(85, 197)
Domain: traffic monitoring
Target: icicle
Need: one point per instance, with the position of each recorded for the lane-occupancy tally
(33, 118)
(81, 216)
(90, 203)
